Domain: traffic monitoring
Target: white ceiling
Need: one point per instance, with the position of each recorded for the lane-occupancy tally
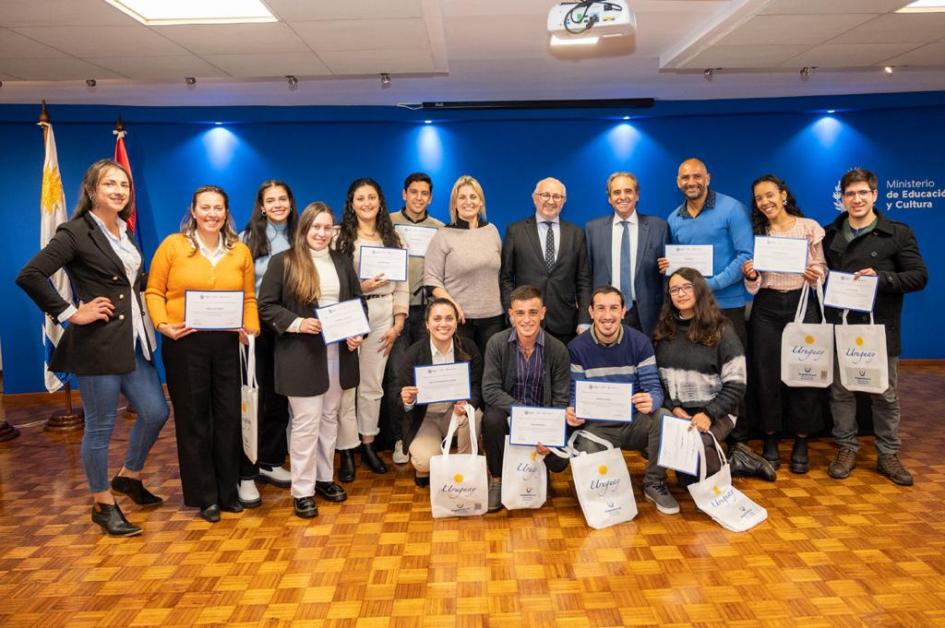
(440, 50)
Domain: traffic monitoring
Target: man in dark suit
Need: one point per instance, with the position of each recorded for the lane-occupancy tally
(550, 254)
(623, 248)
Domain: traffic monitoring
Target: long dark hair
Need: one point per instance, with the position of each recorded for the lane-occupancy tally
(460, 350)
(759, 222)
(91, 180)
(301, 276)
(255, 228)
(349, 220)
(706, 326)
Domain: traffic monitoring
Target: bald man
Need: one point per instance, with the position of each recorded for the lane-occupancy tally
(550, 254)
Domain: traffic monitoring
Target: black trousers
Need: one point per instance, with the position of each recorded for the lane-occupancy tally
(203, 378)
(273, 411)
(479, 330)
(782, 408)
(495, 426)
(744, 426)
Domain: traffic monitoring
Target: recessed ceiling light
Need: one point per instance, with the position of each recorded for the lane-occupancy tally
(924, 6)
(171, 12)
(831, 111)
(428, 121)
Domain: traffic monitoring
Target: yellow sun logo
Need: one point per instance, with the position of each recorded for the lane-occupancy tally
(809, 340)
(859, 341)
(602, 470)
(715, 489)
(243, 408)
(458, 478)
(534, 456)
(52, 190)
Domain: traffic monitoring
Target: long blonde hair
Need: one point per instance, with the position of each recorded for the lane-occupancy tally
(301, 276)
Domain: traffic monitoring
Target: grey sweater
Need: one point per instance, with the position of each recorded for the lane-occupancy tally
(466, 263)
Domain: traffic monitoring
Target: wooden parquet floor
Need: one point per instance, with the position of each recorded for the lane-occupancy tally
(859, 552)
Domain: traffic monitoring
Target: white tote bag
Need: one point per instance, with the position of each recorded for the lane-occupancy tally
(728, 506)
(524, 477)
(861, 356)
(249, 400)
(602, 483)
(807, 348)
(459, 485)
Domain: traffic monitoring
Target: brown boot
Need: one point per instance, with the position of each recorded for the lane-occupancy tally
(891, 466)
(843, 464)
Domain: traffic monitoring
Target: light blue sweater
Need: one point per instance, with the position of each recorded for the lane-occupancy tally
(278, 242)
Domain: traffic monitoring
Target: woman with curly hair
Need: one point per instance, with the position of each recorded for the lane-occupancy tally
(366, 222)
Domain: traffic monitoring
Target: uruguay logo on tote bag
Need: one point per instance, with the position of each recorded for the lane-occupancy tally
(459, 485)
(807, 348)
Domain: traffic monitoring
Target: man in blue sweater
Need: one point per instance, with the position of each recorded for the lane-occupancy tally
(614, 352)
(710, 217)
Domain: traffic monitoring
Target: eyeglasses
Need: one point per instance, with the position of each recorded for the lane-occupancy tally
(685, 288)
(548, 196)
(860, 193)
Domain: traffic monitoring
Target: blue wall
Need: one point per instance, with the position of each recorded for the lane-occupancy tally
(320, 150)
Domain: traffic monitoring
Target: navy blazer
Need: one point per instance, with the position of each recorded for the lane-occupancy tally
(95, 270)
(647, 279)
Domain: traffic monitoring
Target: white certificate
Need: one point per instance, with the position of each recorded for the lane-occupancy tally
(603, 401)
(698, 256)
(530, 426)
(846, 291)
(379, 260)
(680, 446)
(417, 238)
(780, 255)
(213, 309)
(442, 382)
(342, 320)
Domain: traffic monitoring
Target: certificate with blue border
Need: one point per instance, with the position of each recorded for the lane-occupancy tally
(530, 426)
(442, 382)
(213, 310)
(381, 260)
(846, 291)
(603, 401)
(343, 320)
(780, 255)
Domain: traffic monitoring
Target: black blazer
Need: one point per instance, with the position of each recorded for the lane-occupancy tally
(418, 354)
(565, 290)
(300, 360)
(83, 250)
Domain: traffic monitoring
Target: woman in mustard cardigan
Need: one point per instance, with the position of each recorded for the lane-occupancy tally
(203, 367)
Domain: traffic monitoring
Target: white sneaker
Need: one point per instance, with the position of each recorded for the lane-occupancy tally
(399, 456)
(248, 494)
(277, 476)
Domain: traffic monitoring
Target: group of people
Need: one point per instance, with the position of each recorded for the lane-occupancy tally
(532, 313)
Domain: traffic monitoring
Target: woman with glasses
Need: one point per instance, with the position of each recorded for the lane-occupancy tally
(701, 362)
(774, 213)
(463, 263)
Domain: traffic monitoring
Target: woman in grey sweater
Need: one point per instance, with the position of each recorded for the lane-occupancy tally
(463, 261)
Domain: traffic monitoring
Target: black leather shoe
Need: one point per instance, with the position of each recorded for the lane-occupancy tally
(745, 462)
(421, 480)
(234, 507)
(370, 459)
(211, 513)
(799, 462)
(330, 491)
(346, 469)
(770, 452)
(305, 507)
(112, 520)
(135, 490)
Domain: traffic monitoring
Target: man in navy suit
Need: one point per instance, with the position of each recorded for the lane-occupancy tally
(623, 248)
(550, 254)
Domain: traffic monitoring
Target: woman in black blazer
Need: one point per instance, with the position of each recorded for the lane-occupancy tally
(109, 342)
(425, 426)
(312, 375)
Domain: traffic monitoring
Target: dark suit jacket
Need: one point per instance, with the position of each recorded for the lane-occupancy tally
(418, 354)
(565, 290)
(101, 347)
(647, 280)
(300, 360)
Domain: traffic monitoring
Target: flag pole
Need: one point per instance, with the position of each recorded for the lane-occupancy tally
(72, 418)
(119, 132)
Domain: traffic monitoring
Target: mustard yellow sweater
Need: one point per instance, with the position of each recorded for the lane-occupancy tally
(176, 267)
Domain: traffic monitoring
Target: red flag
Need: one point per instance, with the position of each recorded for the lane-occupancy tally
(121, 156)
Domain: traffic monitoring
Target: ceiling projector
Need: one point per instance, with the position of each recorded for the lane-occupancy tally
(585, 22)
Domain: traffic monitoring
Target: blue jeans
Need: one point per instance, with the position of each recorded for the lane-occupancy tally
(100, 398)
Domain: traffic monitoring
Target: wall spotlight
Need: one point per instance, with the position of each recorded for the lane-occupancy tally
(807, 71)
(90, 83)
(888, 69)
(293, 82)
(191, 81)
(709, 74)
(385, 80)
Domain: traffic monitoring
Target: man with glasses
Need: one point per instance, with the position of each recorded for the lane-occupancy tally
(623, 249)
(864, 242)
(550, 254)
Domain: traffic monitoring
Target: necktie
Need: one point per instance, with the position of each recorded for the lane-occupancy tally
(626, 276)
(549, 246)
